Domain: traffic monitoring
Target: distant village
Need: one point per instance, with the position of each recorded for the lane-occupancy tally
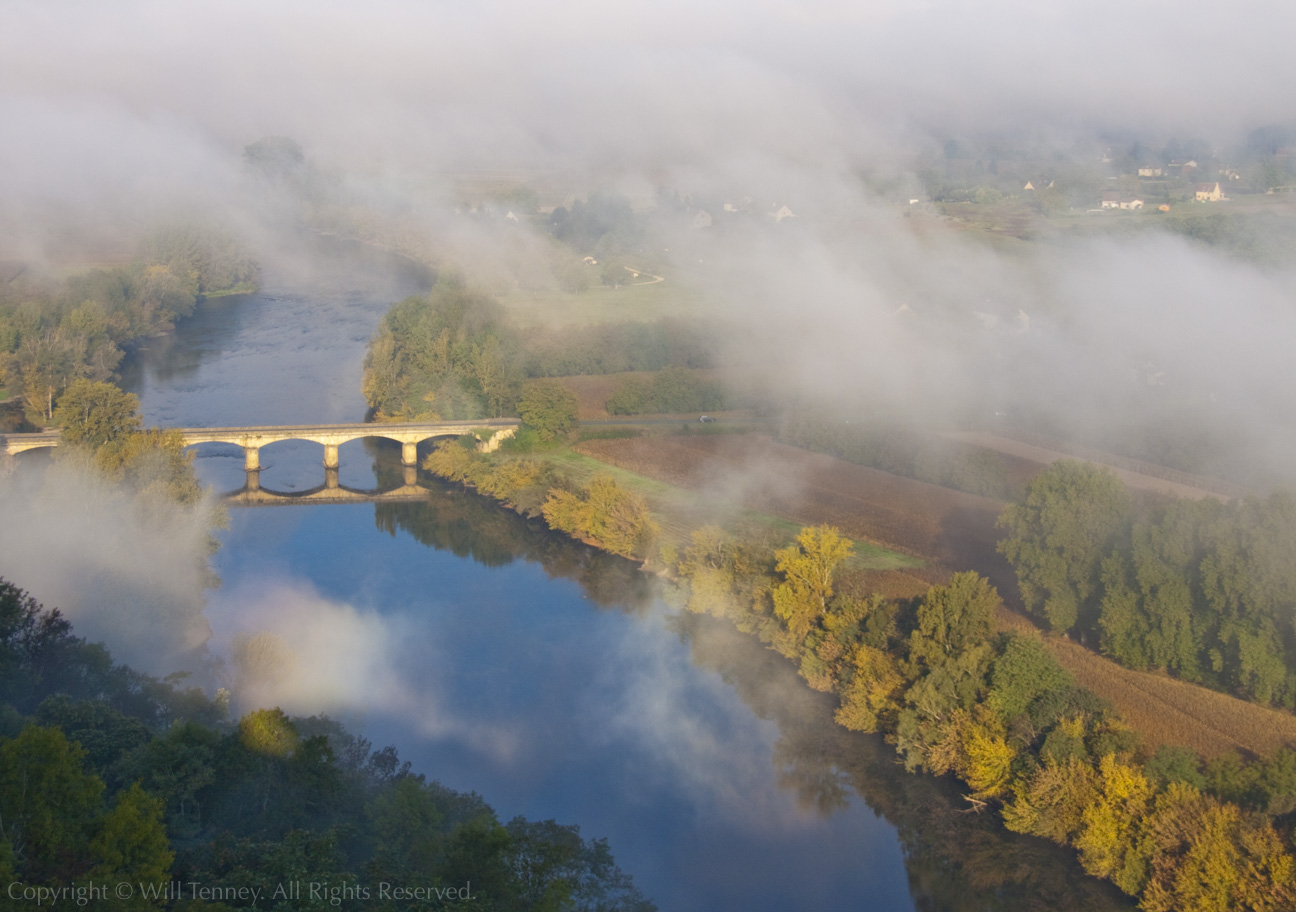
(1129, 179)
(1104, 178)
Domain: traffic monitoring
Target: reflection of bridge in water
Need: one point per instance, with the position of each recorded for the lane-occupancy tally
(331, 492)
(490, 434)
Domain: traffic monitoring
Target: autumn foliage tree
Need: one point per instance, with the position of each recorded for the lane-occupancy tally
(807, 568)
(605, 513)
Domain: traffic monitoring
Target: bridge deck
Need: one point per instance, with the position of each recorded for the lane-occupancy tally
(260, 435)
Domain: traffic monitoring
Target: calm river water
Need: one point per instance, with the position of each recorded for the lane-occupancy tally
(548, 678)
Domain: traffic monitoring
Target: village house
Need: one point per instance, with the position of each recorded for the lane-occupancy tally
(1113, 199)
(1209, 193)
(1149, 172)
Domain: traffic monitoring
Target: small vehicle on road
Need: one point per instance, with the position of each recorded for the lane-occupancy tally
(706, 419)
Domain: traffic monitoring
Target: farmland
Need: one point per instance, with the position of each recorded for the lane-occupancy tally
(951, 531)
(948, 527)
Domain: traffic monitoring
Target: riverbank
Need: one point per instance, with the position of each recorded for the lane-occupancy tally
(852, 644)
(948, 530)
(242, 288)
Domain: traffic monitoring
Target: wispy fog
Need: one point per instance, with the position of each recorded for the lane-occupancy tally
(287, 645)
(125, 570)
(116, 114)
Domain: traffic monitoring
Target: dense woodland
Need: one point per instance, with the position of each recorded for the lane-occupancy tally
(53, 333)
(1199, 588)
(113, 776)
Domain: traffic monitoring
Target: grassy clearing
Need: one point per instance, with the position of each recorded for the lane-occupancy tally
(868, 556)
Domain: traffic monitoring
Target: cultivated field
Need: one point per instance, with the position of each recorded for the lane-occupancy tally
(953, 529)
(1166, 711)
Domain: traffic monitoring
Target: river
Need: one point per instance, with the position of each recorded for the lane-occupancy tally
(549, 678)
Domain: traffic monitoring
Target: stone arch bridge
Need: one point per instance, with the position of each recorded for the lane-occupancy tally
(490, 434)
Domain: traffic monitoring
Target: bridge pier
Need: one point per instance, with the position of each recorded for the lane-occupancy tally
(252, 458)
(411, 476)
(330, 477)
(254, 480)
(330, 455)
(409, 454)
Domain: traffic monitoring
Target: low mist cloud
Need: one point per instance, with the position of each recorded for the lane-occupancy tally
(126, 572)
(286, 645)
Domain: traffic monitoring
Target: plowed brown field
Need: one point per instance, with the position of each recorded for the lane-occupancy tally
(952, 529)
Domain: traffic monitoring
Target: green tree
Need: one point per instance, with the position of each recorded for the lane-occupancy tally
(953, 618)
(130, 845)
(45, 364)
(277, 158)
(94, 415)
(1073, 515)
(1025, 672)
(548, 408)
(48, 801)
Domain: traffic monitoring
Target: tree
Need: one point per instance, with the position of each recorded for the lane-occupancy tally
(808, 568)
(495, 374)
(548, 408)
(1072, 517)
(275, 157)
(268, 732)
(980, 754)
(94, 415)
(953, 618)
(46, 364)
(1107, 840)
(556, 869)
(48, 800)
(130, 845)
(874, 692)
(1024, 672)
(604, 513)
(1052, 802)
